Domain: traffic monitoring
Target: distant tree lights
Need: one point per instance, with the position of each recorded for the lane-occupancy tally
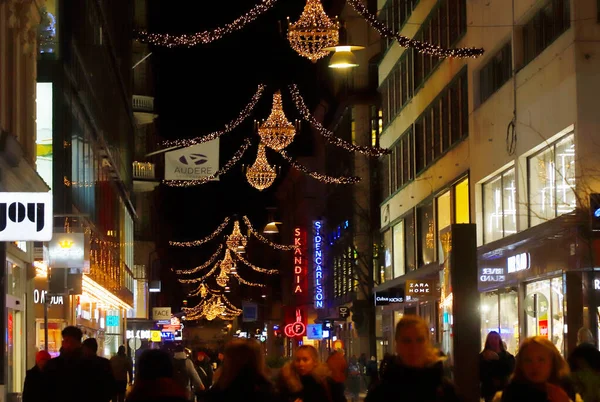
(318, 264)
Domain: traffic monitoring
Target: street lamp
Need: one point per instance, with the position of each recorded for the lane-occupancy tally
(343, 57)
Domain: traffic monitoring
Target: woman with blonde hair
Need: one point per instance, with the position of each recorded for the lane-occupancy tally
(541, 375)
(306, 379)
(416, 374)
(241, 375)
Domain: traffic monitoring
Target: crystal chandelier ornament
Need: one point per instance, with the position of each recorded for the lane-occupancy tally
(227, 264)
(261, 175)
(222, 279)
(277, 131)
(313, 32)
(236, 239)
(203, 290)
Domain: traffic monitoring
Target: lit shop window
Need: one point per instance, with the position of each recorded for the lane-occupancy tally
(552, 181)
(399, 257)
(499, 206)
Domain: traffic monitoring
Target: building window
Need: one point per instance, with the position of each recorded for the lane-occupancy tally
(426, 234)
(450, 110)
(544, 27)
(376, 116)
(495, 73)
(409, 235)
(395, 14)
(462, 212)
(552, 181)
(399, 257)
(384, 168)
(387, 269)
(499, 207)
(443, 216)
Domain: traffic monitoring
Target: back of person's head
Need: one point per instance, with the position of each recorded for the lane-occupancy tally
(559, 370)
(42, 357)
(121, 351)
(91, 345)
(179, 349)
(584, 335)
(71, 339)
(243, 360)
(154, 364)
(336, 363)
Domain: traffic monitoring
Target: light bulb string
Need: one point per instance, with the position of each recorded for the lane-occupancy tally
(205, 37)
(208, 238)
(199, 268)
(406, 42)
(245, 282)
(266, 241)
(243, 115)
(329, 135)
(201, 278)
(230, 163)
(319, 176)
(254, 267)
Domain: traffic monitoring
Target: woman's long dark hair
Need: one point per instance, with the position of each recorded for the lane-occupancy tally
(243, 362)
(487, 341)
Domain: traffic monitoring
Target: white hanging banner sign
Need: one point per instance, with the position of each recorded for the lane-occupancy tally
(193, 163)
(26, 216)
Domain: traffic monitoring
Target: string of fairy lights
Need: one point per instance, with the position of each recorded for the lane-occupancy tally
(204, 37)
(200, 242)
(319, 176)
(309, 36)
(329, 135)
(232, 125)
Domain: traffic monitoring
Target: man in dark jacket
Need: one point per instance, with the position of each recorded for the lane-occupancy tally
(34, 389)
(70, 377)
(104, 384)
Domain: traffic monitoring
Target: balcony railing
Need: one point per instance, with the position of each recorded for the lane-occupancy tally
(143, 170)
(143, 103)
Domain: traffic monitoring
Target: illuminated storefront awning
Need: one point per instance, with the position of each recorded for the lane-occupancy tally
(98, 294)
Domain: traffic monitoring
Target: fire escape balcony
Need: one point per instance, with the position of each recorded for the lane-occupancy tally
(143, 109)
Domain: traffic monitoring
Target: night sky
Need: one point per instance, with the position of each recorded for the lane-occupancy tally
(199, 90)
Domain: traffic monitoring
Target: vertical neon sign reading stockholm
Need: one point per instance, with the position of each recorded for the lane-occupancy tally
(318, 264)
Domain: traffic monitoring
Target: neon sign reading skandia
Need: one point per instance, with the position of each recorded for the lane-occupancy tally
(318, 260)
(298, 261)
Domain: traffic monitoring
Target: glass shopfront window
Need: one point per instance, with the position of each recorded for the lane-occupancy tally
(544, 310)
(500, 313)
(499, 207)
(444, 218)
(552, 181)
(462, 212)
(410, 230)
(426, 234)
(399, 249)
(387, 269)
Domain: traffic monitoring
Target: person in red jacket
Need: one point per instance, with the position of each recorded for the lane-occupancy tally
(33, 389)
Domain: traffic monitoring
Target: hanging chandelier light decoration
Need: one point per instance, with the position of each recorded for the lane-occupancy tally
(261, 175)
(277, 131)
(236, 240)
(216, 306)
(313, 32)
(203, 290)
(222, 278)
(227, 264)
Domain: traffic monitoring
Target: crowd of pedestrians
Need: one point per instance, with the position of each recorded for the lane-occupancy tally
(415, 373)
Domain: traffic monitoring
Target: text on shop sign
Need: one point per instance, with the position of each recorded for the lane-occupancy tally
(492, 275)
(318, 244)
(596, 284)
(298, 261)
(39, 297)
(418, 288)
(518, 262)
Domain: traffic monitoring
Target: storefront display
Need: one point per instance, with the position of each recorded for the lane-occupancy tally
(544, 310)
(500, 312)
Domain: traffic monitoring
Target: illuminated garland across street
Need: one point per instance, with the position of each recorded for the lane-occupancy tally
(196, 243)
(205, 37)
(406, 42)
(199, 268)
(217, 305)
(245, 282)
(244, 114)
(329, 135)
(263, 239)
(201, 278)
(235, 159)
(318, 176)
(254, 267)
